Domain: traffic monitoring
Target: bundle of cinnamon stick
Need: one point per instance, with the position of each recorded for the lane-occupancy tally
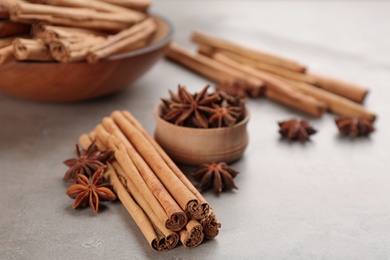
(162, 201)
(72, 30)
(277, 78)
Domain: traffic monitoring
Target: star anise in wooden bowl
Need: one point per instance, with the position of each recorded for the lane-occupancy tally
(202, 110)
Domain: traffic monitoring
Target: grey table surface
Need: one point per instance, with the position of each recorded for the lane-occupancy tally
(326, 199)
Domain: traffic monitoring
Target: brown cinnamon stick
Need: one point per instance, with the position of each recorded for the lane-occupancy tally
(141, 5)
(204, 208)
(6, 54)
(277, 89)
(65, 51)
(136, 212)
(192, 235)
(210, 225)
(31, 49)
(260, 65)
(166, 209)
(124, 39)
(209, 40)
(211, 69)
(342, 88)
(186, 200)
(8, 28)
(89, 4)
(336, 104)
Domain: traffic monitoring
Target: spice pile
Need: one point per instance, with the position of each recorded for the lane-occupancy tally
(277, 78)
(71, 30)
(202, 110)
(162, 201)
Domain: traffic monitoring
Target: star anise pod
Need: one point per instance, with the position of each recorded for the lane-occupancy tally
(87, 163)
(191, 107)
(224, 115)
(236, 89)
(294, 129)
(354, 126)
(90, 193)
(217, 175)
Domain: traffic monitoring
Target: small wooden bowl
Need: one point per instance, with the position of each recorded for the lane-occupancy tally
(64, 82)
(195, 146)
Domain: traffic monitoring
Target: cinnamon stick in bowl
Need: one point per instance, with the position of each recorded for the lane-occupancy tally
(31, 49)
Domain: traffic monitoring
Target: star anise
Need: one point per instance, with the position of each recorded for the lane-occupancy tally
(191, 107)
(294, 129)
(236, 89)
(87, 163)
(90, 193)
(217, 175)
(224, 115)
(354, 126)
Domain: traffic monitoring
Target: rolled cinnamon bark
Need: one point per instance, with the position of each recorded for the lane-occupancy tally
(89, 4)
(65, 51)
(6, 54)
(8, 28)
(211, 69)
(342, 88)
(124, 39)
(31, 49)
(210, 225)
(165, 208)
(186, 200)
(209, 40)
(336, 104)
(260, 65)
(204, 207)
(136, 212)
(167, 238)
(192, 235)
(278, 90)
(141, 5)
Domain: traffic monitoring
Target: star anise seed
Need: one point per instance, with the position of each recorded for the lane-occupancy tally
(90, 193)
(217, 175)
(191, 106)
(294, 129)
(224, 115)
(354, 126)
(87, 163)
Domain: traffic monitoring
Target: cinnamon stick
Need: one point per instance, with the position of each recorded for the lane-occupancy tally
(211, 69)
(209, 40)
(165, 239)
(204, 208)
(336, 104)
(186, 200)
(31, 49)
(192, 235)
(260, 65)
(141, 5)
(124, 39)
(165, 208)
(136, 212)
(6, 54)
(210, 225)
(8, 28)
(342, 88)
(65, 51)
(277, 89)
(90, 4)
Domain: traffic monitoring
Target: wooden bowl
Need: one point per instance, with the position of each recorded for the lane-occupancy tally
(195, 146)
(64, 82)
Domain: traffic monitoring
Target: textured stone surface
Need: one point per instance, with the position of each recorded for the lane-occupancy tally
(326, 199)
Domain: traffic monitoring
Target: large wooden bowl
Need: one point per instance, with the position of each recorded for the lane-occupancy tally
(64, 82)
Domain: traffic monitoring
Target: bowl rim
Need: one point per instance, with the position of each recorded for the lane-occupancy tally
(158, 118)
(151, 47)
